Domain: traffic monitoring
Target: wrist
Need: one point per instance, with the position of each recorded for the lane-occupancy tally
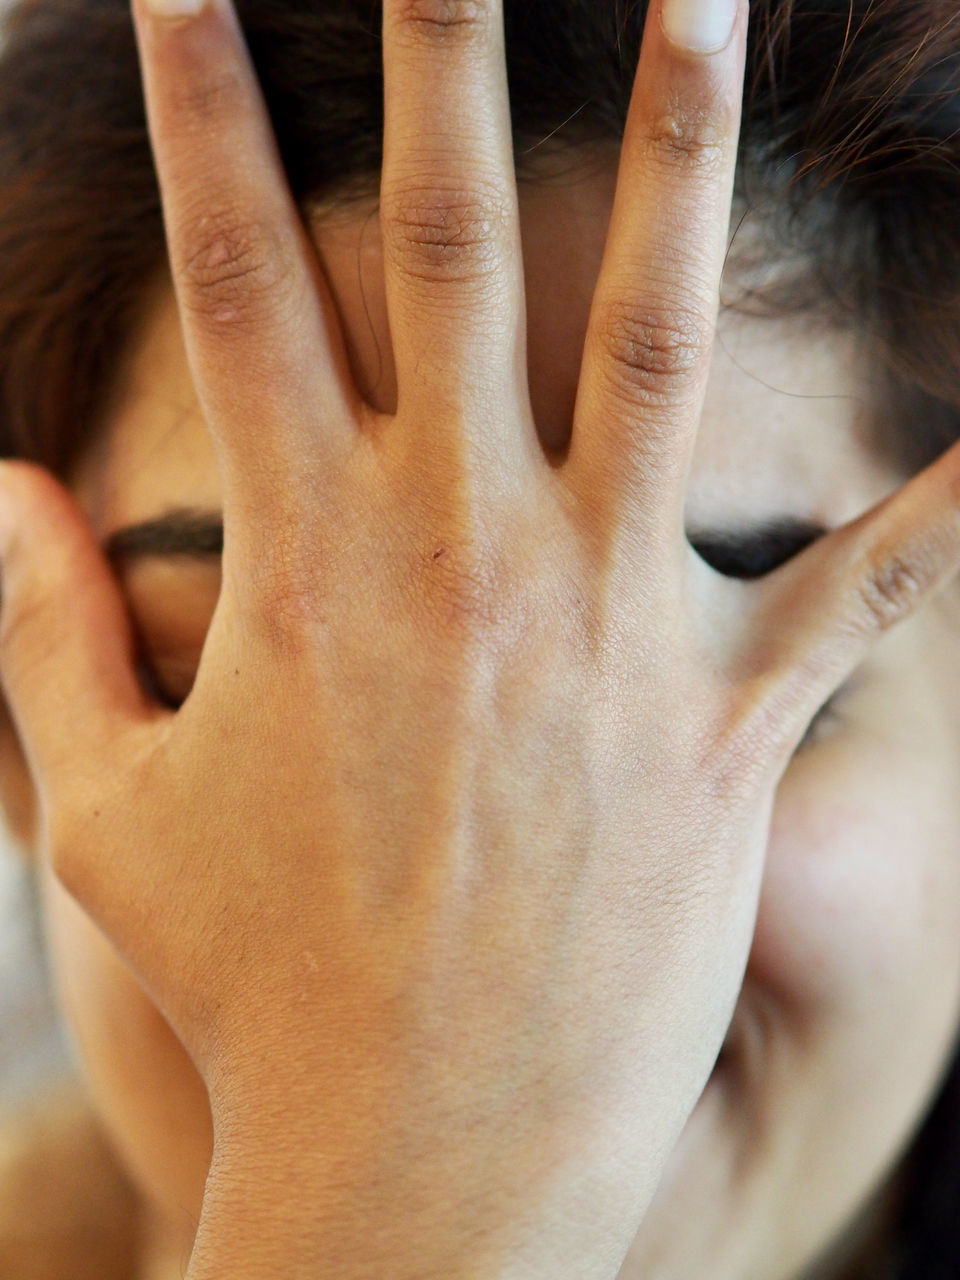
(301, 1221)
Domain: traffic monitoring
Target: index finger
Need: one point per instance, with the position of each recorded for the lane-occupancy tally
(654, 310)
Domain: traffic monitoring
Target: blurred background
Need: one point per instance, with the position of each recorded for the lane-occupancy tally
(32, 1050)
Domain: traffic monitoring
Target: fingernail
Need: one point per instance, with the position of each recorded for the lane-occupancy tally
(699, 26)
(174, 8)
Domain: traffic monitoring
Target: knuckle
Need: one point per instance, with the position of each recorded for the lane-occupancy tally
(290, 592)
(201, 99)
(288, 624)
(451, 236)
(232, 267)
(889, 587)
(468, 591)
(442, 21)
(468, 597)
(688, 137)
(653, 354)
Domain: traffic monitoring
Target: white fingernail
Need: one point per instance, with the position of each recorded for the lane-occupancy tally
(701, 26)
(174, 8)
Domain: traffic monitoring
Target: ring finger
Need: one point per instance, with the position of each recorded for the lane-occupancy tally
(654, 310)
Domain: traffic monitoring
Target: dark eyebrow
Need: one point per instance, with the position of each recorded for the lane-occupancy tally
(749, 551)
(186, 531)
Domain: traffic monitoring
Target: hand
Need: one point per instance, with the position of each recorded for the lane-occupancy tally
(445, 873)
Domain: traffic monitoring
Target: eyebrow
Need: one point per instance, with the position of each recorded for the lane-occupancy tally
(185, 532)
(748, 550)
(756, 548)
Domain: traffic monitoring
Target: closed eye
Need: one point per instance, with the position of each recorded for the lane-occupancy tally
(755, 550)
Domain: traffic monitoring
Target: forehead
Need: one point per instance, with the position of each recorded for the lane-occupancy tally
(786, 420)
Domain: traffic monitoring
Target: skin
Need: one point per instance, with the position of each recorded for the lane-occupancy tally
(854, 962)
(846, 1015)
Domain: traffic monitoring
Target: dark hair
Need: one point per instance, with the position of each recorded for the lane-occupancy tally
(850, 159)
(849, 149)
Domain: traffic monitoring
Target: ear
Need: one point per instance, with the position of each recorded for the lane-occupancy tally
(18, 796)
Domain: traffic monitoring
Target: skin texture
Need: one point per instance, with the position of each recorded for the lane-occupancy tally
(649, 905)
(851, 994)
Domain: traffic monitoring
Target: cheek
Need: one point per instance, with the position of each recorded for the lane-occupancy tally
(860, 909)
(143, 1086)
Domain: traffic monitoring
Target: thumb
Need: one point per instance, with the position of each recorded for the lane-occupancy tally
(67, 652)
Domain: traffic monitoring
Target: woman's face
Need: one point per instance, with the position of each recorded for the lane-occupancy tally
(852, 993)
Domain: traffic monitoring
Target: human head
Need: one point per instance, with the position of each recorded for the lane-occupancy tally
(848, 234)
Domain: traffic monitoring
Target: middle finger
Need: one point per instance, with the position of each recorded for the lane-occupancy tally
(452, 260)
